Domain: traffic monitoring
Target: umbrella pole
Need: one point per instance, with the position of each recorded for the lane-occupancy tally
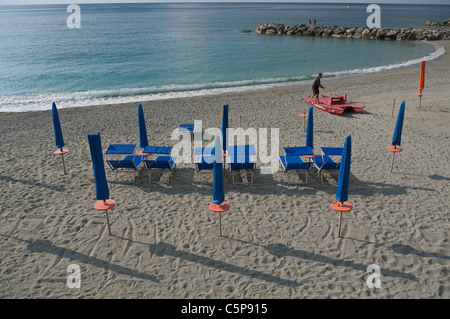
(240, 120)
(224, 161)
(220, 224)
(341, 207)
(393, 105)
(339, 228)
(105, 205)
(420, 99)
(64, 164)
(107, 222)
(392, 164)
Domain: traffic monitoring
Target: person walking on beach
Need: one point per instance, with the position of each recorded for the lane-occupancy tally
(315, 87)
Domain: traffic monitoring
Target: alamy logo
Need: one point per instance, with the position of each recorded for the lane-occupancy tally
(374, 20)
(74, 20)
(374, 280)
(258, 138)
(74, 279)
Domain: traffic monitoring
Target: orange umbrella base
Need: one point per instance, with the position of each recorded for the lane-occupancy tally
(144, 154)
(395, 149)
(419, 94)
(101, 205)
(219, 208)
(59, 152)
(311, 156)
(304, 115)
(345, 207)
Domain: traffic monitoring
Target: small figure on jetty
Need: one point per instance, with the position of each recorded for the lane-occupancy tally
(315, 87)
(315, 22)
(309, 23)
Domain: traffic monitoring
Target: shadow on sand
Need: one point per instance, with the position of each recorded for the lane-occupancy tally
(163, 249)
(31, 183)
(45, 246)
(408, 250)
(281, 250)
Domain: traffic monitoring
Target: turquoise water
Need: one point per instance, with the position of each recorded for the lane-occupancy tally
(136, 52)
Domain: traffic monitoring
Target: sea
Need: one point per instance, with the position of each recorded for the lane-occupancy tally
(140, 52)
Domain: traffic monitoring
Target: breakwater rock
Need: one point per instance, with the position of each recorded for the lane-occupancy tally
(445, 24)
(355, 32)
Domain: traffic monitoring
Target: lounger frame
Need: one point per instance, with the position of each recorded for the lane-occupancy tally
(294, 164)
(325, 163)
(203, 165)
(161, 163)
(239, 165)
(130, 163)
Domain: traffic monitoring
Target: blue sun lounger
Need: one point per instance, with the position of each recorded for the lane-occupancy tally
(160, 163)
(325, 163)
(130, 163)
(296, 165)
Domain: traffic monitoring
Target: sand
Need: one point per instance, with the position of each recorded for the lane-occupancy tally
(279, 241)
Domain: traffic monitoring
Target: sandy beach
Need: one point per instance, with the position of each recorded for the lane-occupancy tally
(280, 241)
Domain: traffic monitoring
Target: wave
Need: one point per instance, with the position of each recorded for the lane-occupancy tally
(439, 51)
(40, 102)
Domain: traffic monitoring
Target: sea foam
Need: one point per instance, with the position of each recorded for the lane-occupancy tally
(40, 102)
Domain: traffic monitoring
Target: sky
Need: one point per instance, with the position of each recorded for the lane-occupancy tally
(16, 2)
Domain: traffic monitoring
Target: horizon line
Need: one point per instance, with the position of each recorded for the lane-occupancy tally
(230, 1)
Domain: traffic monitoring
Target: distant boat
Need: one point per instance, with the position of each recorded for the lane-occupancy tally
(221, 6)
(348, 7)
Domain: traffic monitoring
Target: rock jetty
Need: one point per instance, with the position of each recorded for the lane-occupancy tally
(445, 24)
(355, 32)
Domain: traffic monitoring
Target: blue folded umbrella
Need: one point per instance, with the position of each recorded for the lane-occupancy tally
(218, 189)
(143, 140)
(310, 128)
(101, 184)
(224, 127)
(344, 171)
(59, 141)
(396, 139)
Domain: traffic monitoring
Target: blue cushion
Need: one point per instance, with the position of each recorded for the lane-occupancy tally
(206, 163)
(239, 162)
(239, 166)
(136, 159)
(129, 161)
(205, 151)
(120, 149)
(186, 127)
(293, 163)
(116, 164)
(240, 159)
(165, 162)
(166, 159)
(326, 162)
